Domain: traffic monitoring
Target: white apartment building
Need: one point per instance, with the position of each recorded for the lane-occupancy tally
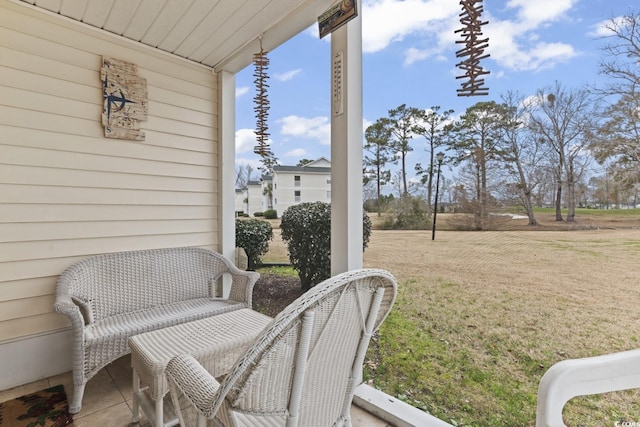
(290, 185)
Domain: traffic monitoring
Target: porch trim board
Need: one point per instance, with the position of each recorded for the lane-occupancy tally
(392, 410)
(36, 357)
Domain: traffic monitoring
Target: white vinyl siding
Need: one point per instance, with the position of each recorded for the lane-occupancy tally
(255, 197)
(309, 187)
(67, 192)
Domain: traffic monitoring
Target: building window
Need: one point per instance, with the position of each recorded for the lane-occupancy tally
(328, 194)
(296, 180)
(328, 180)
(297, 196)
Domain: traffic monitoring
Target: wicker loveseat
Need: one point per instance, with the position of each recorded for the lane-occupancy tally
(114, 296)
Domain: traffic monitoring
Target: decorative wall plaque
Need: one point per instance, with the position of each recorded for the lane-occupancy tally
(124, 96)
(337, 16)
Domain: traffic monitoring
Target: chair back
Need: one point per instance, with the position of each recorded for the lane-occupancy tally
(303, 368)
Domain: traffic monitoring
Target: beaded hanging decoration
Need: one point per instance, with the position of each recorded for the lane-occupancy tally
(473, 50)
(261, 100)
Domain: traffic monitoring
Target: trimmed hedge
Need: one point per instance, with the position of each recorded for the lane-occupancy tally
(253, 235)
(306, 230)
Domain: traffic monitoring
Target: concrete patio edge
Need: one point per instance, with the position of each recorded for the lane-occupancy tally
(392, 410)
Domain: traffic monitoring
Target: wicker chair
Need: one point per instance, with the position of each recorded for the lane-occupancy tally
(302, 369)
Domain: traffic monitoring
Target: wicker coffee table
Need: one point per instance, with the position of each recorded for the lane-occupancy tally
(216, 342)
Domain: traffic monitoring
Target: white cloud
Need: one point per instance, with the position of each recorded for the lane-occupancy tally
(604, 28)
(414, 55)
(286, 76)
(246, 140)
(241, 91)
(315, 128)
(297, 153)
(518, 50)
(546, 55)
(388, 21)
(534, 13)
(514, 44)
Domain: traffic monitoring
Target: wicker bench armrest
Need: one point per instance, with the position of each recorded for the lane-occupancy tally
(242, 282)
(67, 305)
(242, 286)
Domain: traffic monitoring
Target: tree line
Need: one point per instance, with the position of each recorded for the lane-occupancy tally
(520, 149)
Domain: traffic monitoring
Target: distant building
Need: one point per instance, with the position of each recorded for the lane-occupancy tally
(288, 186)
(296, 184)
(255, 198)
(241, 200)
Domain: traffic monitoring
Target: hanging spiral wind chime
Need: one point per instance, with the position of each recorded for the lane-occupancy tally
(261, 108)
(473, 50)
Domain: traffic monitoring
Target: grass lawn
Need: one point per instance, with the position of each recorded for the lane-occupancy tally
(481, 316)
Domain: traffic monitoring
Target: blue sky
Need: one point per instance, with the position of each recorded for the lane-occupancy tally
(409, 58)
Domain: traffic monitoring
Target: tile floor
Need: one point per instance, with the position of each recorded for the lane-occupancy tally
(107, 399)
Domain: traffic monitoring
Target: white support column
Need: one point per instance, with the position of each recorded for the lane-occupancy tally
(346, 146)
(227, 153)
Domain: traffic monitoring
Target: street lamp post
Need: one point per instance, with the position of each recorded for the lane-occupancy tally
(440, 158)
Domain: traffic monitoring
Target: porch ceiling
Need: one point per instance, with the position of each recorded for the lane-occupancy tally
(222, 34)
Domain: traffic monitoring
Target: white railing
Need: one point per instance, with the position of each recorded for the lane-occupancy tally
(581, 377)
(562, 382)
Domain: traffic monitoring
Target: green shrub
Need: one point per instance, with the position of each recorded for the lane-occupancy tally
(408, 213)
(270, 214)
(253, 235)
(258, 214)
(306, 230)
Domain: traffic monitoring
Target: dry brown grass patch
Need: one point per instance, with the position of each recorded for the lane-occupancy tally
(513, 303)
